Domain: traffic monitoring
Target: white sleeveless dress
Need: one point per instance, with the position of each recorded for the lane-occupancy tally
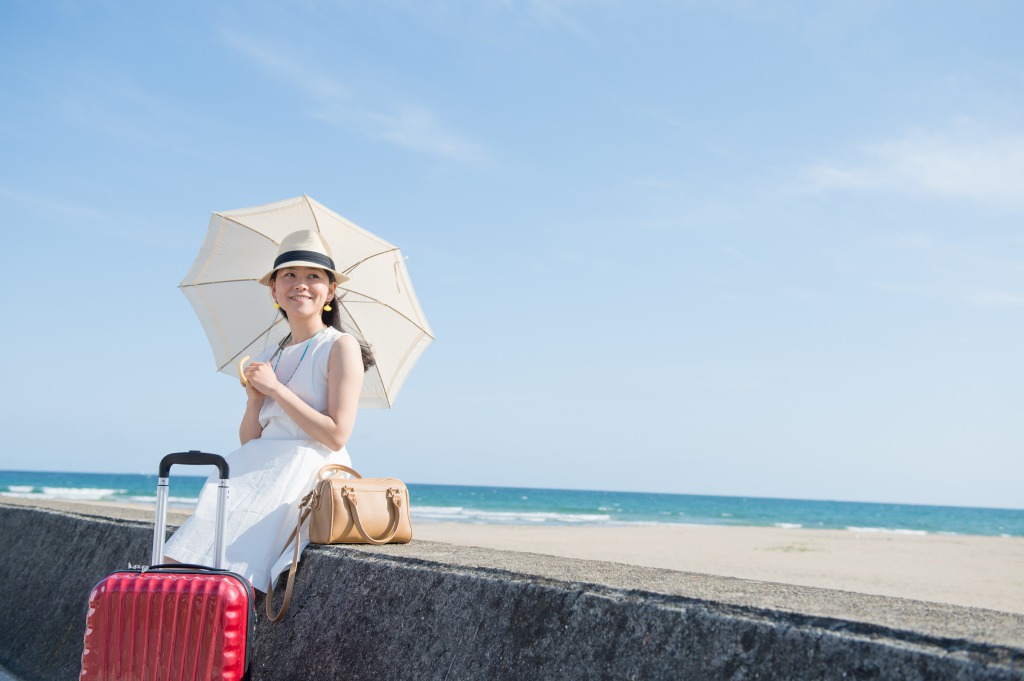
(269, 476)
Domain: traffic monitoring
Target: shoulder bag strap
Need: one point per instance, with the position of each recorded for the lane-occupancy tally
(305, 508)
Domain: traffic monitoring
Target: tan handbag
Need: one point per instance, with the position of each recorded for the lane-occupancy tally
(354, 510)
(358, 510)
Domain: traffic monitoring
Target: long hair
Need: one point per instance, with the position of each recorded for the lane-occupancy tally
(331, 318)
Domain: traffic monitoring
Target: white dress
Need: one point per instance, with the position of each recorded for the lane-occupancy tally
(268, 477)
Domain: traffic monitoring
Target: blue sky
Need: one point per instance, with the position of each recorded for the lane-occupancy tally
(739, 248)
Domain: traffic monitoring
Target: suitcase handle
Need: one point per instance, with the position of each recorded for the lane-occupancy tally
(194, 457)
(184, 567)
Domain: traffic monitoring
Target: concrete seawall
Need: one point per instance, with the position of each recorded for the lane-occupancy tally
(428, 610)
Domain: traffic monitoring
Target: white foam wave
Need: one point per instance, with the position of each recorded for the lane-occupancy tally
(82, 493)
(437, 510)
(885, 529)
(789, 526)
(460, 514)
(66, 493)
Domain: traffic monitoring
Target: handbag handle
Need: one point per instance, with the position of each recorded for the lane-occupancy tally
(328, 470)
(394, 496)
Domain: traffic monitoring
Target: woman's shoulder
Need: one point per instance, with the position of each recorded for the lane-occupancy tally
(333, 338)
(343, 344)
(340, 346)
(342, 339)
(331, 335)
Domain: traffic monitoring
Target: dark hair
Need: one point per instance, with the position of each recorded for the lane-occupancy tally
(332, 318)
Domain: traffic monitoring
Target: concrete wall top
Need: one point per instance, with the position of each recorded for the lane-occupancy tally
(432, 610)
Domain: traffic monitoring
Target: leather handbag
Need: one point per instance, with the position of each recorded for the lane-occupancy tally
(358, 510)
(353, 510)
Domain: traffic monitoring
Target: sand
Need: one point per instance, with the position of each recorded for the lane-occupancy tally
(985, 572)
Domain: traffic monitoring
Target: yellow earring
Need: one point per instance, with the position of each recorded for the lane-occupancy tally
(276, 306)
(327, 307)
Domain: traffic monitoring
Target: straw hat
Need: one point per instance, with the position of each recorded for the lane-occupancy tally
(304, 248)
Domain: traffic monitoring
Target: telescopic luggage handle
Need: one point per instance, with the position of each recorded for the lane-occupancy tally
(192, 457)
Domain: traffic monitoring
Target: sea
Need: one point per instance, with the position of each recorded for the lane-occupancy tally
(545, 507)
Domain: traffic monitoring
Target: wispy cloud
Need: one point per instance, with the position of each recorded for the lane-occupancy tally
(50, 205)
(411, 126)
(965, 162)
(660, 184)
(69, 216)
(111, 105)
(996, 298)
(971, 267)
(279, 65)
(554, 15)
(418, 128)
(558, 14)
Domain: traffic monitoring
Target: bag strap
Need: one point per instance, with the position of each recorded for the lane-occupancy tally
(295, 536)
(394, 496)
(305, 508)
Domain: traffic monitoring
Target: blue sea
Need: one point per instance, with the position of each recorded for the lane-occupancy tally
(524, 506)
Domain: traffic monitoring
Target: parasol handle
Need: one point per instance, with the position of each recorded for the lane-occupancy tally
(241, 376)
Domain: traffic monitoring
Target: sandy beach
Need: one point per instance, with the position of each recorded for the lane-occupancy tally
(985, 572)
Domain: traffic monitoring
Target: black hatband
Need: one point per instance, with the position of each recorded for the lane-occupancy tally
(307, 256)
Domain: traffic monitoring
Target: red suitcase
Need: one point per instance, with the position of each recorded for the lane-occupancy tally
(171, 621)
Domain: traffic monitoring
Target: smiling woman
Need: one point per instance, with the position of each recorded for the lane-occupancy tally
(302, 398)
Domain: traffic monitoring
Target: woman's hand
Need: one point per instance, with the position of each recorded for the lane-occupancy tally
(262, 379)
(256, 380)
(254, 395)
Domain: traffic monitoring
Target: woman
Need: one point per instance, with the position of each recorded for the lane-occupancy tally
(302, 400)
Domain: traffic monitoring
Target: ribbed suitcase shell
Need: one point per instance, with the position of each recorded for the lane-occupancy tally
(172, 622)
(168, 624)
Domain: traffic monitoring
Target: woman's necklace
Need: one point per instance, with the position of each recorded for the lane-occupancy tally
(280, 353)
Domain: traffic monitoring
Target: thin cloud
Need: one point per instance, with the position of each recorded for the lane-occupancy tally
(996, 299)
(412, 127)
(419, 129)
(103, 224)
(285, 67)
(557, 14)
(660, 184)
(965, 163)
(953, 269)
(111, 105)
(52, 206)
(554, 15)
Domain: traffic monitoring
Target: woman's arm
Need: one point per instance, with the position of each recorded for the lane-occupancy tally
(251, 428)
(344, 383)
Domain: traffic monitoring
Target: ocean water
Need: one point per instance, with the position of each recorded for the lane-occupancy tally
(525, 506)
